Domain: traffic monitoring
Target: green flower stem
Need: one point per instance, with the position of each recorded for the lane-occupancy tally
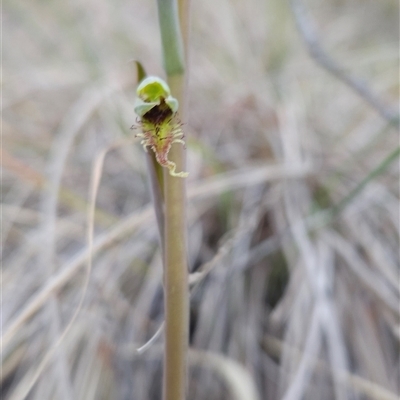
(173, 17)
(176, 290)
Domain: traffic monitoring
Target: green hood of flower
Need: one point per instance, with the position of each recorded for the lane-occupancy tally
(150, 93)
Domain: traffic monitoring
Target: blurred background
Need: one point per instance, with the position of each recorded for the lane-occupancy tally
(293, 201)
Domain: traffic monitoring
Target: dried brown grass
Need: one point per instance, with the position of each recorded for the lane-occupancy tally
(302, 305)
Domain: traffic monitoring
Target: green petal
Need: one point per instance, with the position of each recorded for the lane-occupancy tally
(172, 103)
(142, 107)
(153, 89)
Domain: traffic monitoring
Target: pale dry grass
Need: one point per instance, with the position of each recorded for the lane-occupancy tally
(289, 300)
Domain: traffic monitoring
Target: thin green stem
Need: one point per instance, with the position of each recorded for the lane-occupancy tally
(372, 175)
(173, 17)
(176, 293)
(171, 37)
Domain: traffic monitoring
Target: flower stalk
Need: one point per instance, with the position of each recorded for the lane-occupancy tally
(173, 26)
